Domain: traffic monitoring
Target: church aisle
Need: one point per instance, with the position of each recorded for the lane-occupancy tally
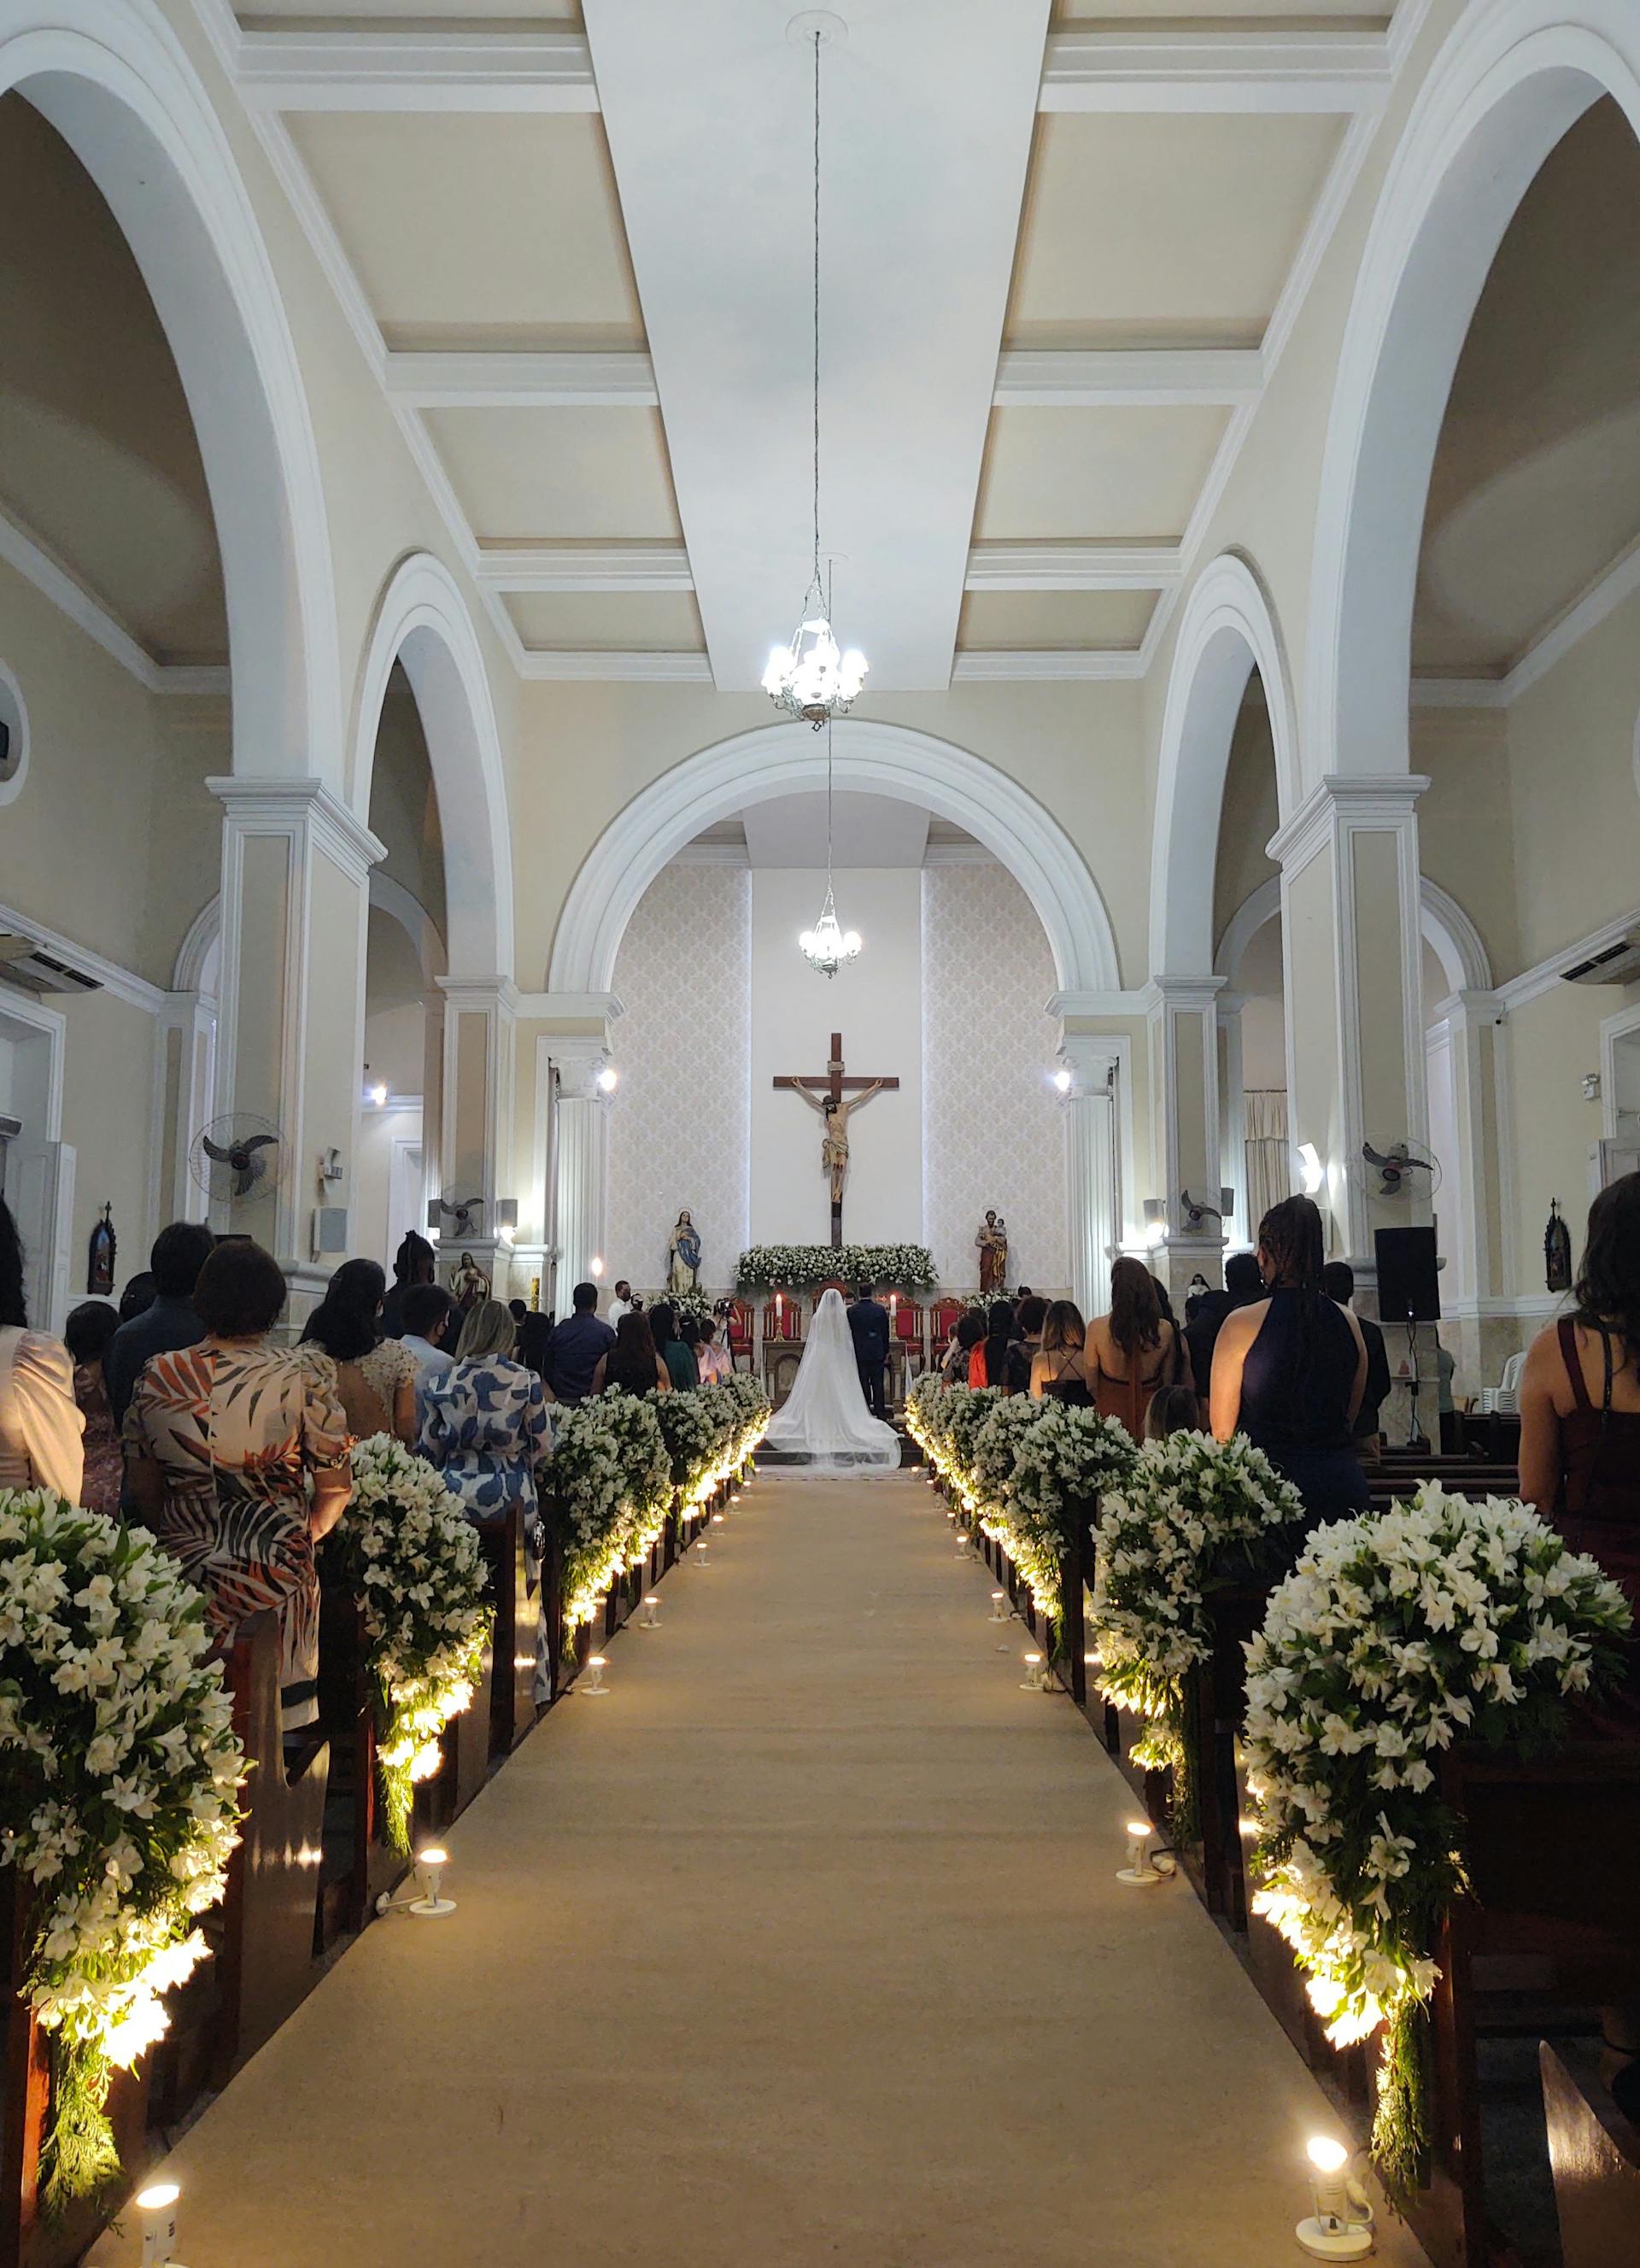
(805, 1943)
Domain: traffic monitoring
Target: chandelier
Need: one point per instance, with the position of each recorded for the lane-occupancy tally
(828, 947)
(812, 677)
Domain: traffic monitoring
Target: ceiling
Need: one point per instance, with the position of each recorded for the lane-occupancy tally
(1060, 241)
(867, 831)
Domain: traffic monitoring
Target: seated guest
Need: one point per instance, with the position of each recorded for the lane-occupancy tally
(169, 1320)
(87, 1332)
(988, 1362)
(431, 1323)
(1338, 1281)
(1174, 1409)
(670, 1346)
(632, 1364)
(1290, 1370)
(710, 1359)
(535, 1340)
(41, 1430)
(223, 1442)
(970, 1329)
(375, 1377)
(1136, 1348)
(518, 1309)
(577, 1343)
(1030, 1313)
(414, 1263)
(1059, 1369)
(1242, 1285)
(138, 1295)
(484, 1421)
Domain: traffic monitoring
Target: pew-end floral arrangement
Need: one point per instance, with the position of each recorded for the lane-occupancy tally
(412, 1555)
(1443, 1620)
(607, 1489)
(1063, 1467)
(119, 1790)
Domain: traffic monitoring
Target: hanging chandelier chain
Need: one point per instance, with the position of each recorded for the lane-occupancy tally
(817, 305)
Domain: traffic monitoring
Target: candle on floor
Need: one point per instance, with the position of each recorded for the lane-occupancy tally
(158, 2205)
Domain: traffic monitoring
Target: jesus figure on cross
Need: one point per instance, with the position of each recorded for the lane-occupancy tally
(835, 1098)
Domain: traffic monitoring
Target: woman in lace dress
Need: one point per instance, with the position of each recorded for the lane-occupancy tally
(375, 1377)
(40, 1427)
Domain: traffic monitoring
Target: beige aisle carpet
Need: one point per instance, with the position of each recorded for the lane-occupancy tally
(803, 1945)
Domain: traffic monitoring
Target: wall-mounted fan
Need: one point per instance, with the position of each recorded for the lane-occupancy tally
(1394, 1172)
(235, 1159)
(455, 1216)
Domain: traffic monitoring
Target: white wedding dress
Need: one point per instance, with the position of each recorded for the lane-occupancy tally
(824, 1426)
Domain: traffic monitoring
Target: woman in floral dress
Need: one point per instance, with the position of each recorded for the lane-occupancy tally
(484, 1422)
(222, 1442)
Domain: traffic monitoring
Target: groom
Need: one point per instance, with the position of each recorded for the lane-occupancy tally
(868, 1321)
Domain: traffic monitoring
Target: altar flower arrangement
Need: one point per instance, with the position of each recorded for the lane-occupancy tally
(1192, 1514)
(118, 1781)
(1063, 1465)
(803, 1267)
(412, 1554)
(1440, 1620)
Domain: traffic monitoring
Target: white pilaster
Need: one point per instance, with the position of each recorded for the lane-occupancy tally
(1183, 1027)
(1232, 1118)
(1093, 1163)
(581, 1169)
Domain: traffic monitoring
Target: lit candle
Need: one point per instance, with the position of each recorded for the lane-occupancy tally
(893, 1304)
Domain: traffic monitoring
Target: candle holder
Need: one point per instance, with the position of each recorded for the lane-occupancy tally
(1138, 1873)
(651, 1617)
(1036, 1678)
(1340, 2227)
(999, 1606)
(157, 2206)
(430, 1873)
(595, 1688)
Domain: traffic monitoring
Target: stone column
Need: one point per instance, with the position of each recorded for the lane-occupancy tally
(475, 1120)
(1473, 1202)
(581, 1167)
(1184, 1072)
(1232, 1118)
(1092, 1166)
(289, 1036)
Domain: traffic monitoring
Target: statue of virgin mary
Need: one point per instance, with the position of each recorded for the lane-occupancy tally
(683, 1257)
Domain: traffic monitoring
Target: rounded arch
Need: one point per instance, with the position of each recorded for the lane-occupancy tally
(1228, 630)
(422, 621)
(1446, 930)
(880, 759)
(1510, 81)
(117, 85)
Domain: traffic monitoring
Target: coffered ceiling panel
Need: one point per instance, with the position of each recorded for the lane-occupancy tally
(558, 472)
(1105, 473)
(1023, 620)
(601, 622)
(340, 14)
(1171, 12)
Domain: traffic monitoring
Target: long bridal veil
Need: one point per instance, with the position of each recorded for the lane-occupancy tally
(824, 1425)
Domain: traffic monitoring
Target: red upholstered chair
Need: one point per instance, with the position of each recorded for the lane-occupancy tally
(947, 1315)
(739, 1333)
(910, 1322)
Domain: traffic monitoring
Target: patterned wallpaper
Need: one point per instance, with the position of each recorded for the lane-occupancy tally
(678, 1125)
(993, 1125)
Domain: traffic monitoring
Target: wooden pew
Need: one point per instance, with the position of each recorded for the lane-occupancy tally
(512, 1679)
(1594, 2152)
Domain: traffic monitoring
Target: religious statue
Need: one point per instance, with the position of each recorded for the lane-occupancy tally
(1556, 1251)
(834, 1111)
(100, 1257)
(469, 1284)
(992, 1243)
(683, 1255)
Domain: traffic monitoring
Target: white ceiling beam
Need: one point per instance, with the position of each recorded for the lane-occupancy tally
(480, 380)
(1291, 69)
(1088, 664)
(1128, 377)
(549, 567)
(1072, 566)
(623, 668)
(405, 69)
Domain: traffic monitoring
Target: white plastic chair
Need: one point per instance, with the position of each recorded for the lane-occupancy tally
(1512, 1369)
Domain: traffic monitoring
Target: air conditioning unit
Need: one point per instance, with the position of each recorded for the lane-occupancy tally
(24, 961)
(1613, 964)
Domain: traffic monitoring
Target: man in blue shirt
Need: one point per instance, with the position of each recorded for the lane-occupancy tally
(577, 1347)
(180, 1252)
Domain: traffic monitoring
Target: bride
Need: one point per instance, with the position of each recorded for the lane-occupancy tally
(824, 1425)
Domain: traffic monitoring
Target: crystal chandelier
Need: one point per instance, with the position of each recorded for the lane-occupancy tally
(827, 947)
(812, 677)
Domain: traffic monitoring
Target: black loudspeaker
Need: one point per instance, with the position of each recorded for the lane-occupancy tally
(1408, 1287)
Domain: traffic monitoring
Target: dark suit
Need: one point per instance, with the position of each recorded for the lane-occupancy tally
(869, 1324)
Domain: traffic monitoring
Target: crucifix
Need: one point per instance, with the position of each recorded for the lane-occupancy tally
(834, 1097)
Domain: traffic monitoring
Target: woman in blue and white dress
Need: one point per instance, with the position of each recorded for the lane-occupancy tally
(484, 1422)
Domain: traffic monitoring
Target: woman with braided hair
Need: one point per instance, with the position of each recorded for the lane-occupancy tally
(1290, 1370)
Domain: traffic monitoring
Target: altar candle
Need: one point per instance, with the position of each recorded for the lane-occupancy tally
(779, 1308)
(893, 1305)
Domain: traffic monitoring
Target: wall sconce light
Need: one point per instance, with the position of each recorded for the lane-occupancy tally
(1340, 2227)
(158, 2205)
(1312, 1172)
(595, 1267)
(609, 1079)
(1155, 1220)
(1062, 1079)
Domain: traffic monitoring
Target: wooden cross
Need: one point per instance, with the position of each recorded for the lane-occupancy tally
(828, 1094)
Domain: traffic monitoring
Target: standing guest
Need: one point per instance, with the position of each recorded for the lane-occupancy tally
(223, 1442)
(1445, 1404)
(669, 1344)
(621, 1304)
(518, 1309)
(1290, 1370)
(1136, 1348)
(868, 1327)
(170, 1320)
(1338, 1281)
(576, 1345)
(632, 1364)
(375, 1377)
(87, 1332)
(970, 1329)
(428, 1315)
(414, 1263)
(138, 1295)
(1174, 1409)
(710, 1359)
(41, 1430)
(988, 1364)
(484, 1422)
(1059, 1372)
(1030, 1313)
(1242, 1285)
(534, 1341)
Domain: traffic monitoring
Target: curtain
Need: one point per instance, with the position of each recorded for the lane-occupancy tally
(1269, 1152)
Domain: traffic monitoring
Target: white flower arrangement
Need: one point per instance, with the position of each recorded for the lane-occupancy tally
(1441, 1620)
(413, 1556)
(965, 1412)
(802, 1267)
(1063, 1465)
(1190, 1509)
(697, 1428)
(610, 1481)
(119, 1774)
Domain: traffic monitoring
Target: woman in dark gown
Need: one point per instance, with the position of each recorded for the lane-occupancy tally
(1059, 1371)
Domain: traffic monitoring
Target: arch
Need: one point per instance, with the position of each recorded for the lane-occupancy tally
(1511, 80)
(1445, 929)
(422, 621)
(1228, 630)
(196, 964)
(879, 759)
(117, 85)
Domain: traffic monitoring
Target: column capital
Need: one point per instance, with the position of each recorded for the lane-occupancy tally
(275, 805)
(1343, 801)
(569, 1007)
(486, 995)
(1192, 995)
(578, 1060)
(1091, 1058)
